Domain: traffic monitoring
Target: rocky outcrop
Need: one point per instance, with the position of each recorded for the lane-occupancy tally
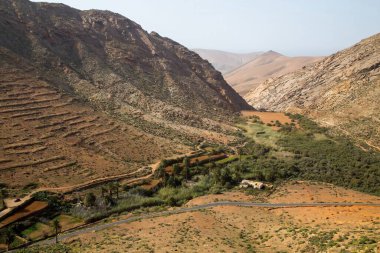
(113, 63)
(341, 91)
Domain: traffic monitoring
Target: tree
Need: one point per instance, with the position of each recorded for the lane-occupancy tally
(160, 172)
(171, 181)
(104, 191)
(90, 199)
(166, 178)
(186, 162)
(9, 237)
(3, 193)
(176, 169)
(186, 166)
(186, 172)
(116, 187)
(239, 151)
(110, 190)
(57, 228)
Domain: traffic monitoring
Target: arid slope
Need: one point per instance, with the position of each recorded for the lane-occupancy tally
(113, 63)
(251, 229)
(226, 61)
(341, 91)
(90, 94)
(268, 65)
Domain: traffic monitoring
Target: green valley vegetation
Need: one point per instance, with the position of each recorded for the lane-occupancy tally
(304, 152)
(314, 154)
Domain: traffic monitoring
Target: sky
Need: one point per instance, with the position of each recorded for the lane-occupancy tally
(290, 27)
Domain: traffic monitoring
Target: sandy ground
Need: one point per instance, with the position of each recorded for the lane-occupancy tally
(306, 191)
(250, 229)
(226, 196)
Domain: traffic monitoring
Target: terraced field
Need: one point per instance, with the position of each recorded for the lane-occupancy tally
(50, 138)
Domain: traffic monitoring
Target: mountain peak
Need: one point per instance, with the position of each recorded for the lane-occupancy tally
(271, 52)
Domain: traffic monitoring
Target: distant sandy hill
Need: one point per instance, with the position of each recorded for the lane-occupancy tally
(226, 61)
(340, 91)
(267, 65)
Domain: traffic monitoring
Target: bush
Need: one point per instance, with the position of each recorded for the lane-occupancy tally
(125, 205)
(89, 199)
(334, 160)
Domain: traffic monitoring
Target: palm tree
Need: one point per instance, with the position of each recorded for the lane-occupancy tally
(104, 190)
(110, 190)
(116, 186)
(57, 228)
(238, 151)
(9, 236)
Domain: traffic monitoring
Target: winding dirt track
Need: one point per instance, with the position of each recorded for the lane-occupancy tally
(96, 227)
(94, 182)
(72, 188)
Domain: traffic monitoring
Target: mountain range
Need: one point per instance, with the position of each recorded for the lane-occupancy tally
(246, 71)
(266, 65)
(226, 61)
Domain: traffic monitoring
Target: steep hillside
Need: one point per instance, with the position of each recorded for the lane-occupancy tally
(52, 139)
(114, 63)
(268, 65)
(87, 95)
(226, 61)
(341, 91)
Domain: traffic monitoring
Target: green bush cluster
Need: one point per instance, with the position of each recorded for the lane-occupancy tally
(333, 160)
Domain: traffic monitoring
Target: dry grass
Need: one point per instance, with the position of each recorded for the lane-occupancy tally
(39, 123)
(248, 229)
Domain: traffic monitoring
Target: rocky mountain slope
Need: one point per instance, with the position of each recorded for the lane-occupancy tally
(341, 91)
(112, 62)
(89, 94)
(267, 65)
(226, 61)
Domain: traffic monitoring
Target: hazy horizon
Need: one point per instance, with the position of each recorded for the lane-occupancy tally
(290, 27)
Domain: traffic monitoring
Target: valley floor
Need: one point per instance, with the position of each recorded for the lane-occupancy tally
(251, 229)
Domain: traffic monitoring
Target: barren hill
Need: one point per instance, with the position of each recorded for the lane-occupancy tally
(90, 94)
(267, 65)
(226, 61)
(342, 91)
(114, 63)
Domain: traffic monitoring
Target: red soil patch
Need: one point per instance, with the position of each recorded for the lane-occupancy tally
(268, 117)
(32, 208)
(202, 159)
(153, 183)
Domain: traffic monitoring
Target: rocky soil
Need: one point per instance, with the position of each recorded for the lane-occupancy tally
(114, 63)
(341, 91)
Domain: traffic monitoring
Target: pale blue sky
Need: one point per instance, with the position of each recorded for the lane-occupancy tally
(291, 27)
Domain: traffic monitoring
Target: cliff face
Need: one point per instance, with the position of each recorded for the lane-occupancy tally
(112, 62)
(341, 91)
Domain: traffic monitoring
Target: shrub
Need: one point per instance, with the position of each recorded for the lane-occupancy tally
(89, 199)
